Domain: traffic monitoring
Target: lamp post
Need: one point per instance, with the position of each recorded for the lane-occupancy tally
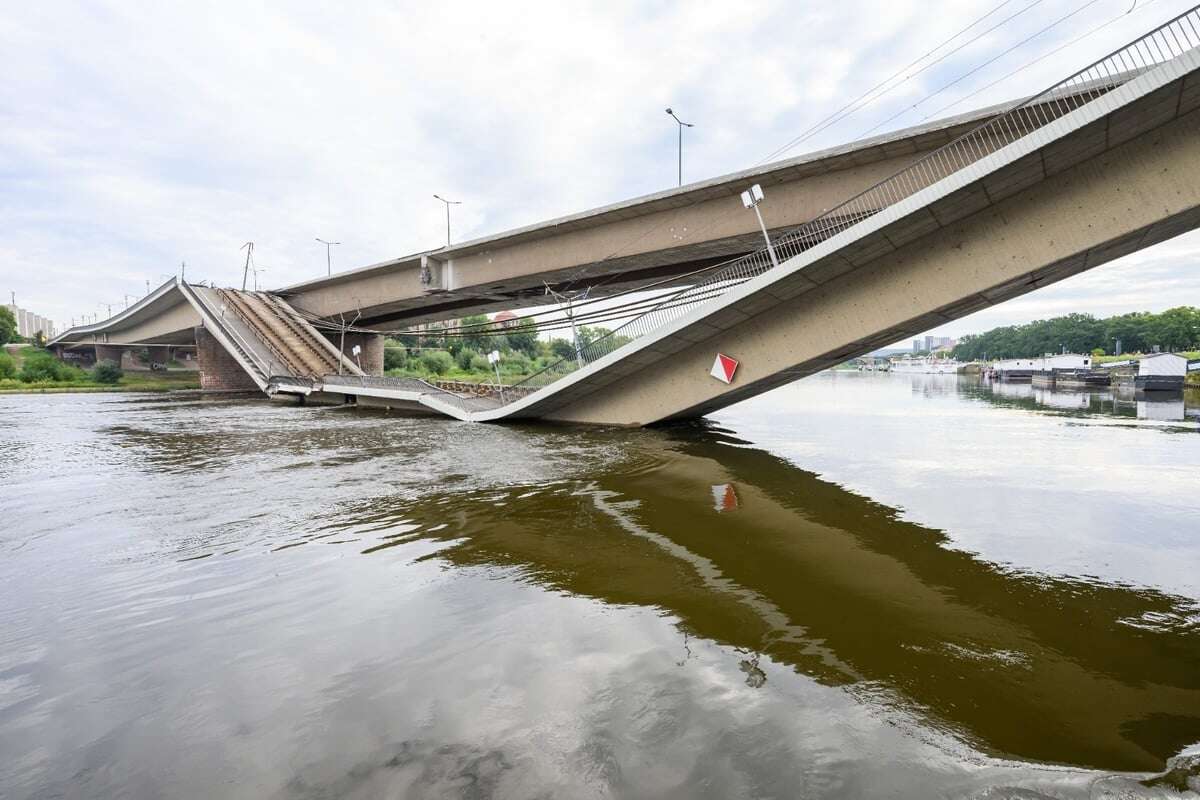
(328, 257)
(682, 125)
(448, 204)
(750, 199)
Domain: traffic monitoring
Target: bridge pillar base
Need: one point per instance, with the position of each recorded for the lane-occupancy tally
(109, 352)
(371, 357)
(219, 371)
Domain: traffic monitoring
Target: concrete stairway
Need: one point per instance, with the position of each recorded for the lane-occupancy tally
(275, 345)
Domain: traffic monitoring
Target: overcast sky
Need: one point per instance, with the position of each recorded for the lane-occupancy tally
(134, 136)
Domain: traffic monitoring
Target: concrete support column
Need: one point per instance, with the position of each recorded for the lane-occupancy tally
(371, 357)
(219, 371)
(109, 352)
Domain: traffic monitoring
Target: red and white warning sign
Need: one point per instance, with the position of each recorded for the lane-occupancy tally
(723, 368)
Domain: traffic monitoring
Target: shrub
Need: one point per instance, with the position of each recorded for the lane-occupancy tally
(562, 348)
(480, 364)
(107, 372)
(514, 364)
(395, 358)
(8, 366)
(437, 362)
(43, 366)
(465, 358)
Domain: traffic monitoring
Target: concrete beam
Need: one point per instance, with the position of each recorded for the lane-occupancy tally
(1074, 220)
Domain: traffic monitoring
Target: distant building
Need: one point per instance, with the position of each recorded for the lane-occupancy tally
(931, 344)
(28, 323)
(506, 319)
(937, 342)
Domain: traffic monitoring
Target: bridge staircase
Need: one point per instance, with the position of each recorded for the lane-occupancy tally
(278, 349)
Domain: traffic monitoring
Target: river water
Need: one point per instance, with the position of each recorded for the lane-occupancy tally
(859, 585)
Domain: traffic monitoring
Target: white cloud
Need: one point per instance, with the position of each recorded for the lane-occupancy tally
(134, 136)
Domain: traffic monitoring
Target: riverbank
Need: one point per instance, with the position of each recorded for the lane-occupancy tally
(135, 382)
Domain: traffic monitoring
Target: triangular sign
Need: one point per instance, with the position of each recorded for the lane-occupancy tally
(723, 368)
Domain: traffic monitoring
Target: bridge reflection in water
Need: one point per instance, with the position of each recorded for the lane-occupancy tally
(751, 552)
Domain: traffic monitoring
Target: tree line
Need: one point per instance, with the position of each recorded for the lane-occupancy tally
(1177, 329)
(461, 351)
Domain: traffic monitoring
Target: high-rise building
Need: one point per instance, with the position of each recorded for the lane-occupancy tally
(28, 323)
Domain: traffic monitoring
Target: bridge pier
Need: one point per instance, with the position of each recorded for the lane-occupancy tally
(109, 352)
(219, 371)
(371, 357)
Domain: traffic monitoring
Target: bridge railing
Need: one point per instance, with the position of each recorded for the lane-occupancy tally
(1165, 43)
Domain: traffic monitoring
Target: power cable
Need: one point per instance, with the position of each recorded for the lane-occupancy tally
(1037, 60)
(852, 106)
(971, 72)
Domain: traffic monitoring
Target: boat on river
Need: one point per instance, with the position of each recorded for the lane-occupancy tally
(926, 365)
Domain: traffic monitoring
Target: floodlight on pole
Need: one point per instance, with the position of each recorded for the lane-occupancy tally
(328, 257)
(494, 359)
(567, 298)
(750, 199)
(448, 204)
(682, 125)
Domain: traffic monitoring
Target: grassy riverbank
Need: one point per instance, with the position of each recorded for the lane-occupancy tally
(129, 382)
(29, 370)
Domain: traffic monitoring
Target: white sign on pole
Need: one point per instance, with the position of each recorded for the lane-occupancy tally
(493, 356)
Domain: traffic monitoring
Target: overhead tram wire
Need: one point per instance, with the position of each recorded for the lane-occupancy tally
(574, 279)
(855, 105)
(633, 305)
(971, 72)
(1039, 59)
(599, 315)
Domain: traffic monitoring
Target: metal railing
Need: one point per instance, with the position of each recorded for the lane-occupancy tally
(263, 368)
(233, 303)
(1167, 42)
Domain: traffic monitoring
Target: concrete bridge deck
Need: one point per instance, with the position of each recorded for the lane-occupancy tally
(1033, 199)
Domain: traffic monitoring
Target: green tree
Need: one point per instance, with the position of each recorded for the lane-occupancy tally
(8, 365)
(523, 337)
(8, 326)
(465, 357)
(1178, 328)
(561, 348)
(394, 356)
(437, 362)
(1175, 329)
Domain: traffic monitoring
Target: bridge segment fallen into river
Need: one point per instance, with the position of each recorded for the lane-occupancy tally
(1103, 164)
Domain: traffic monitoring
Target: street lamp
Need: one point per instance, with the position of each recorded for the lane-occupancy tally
(448, 204)
(750, 199)
(682, 125)
(328, 257)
